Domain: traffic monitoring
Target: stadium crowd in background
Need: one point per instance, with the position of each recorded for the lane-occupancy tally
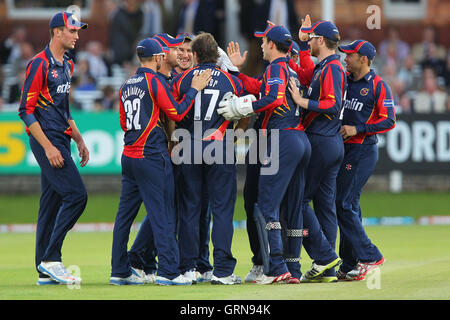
(418, 73)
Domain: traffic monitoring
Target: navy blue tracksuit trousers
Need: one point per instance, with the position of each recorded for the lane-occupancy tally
(148, 180)
(357, 166)
(326, 158)
(250, 193)
(294, 152)
(220, 182)
(63, 199)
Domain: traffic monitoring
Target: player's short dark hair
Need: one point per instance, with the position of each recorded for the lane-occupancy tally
(52, 31)
(206, 48)
(330, 44)
(284, 48)
(146, 59)
(369, 61)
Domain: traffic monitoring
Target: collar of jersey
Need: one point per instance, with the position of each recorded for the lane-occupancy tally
(145, 70)
(281, 59)
(51, 59)
(328, 59)
(369, 76)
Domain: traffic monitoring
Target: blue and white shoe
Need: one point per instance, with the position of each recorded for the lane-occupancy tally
(191, 275)
(145, 277)
(131, 280)
(204, 277)
(46, 281)
(57, 272)
(178, 281)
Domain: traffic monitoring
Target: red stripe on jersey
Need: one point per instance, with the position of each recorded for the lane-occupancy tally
(219, 133)
(231, 81)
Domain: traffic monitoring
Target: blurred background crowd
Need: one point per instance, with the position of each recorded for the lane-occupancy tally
(417, 70)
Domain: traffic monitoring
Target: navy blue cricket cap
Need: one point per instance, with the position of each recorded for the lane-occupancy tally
(186, 35)
(167, 40)
(276, 33)
(149, 47)
(295, 48)
(364, 48)
(66, 19)
(325, 29)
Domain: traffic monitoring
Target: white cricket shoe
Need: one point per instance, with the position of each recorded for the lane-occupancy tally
(231, 279)
(145, 277)
(57, 271)
(178, 281)
(130, 280)
(255, 272)
(205, 276)
(191, 275)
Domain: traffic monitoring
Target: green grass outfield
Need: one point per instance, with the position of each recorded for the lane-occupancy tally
(417, 267)
(103, 207)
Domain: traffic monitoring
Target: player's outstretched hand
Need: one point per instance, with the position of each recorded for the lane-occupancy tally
(235, 56)
(83, 153)
(225, 63)
(200, 81)
(306, 23)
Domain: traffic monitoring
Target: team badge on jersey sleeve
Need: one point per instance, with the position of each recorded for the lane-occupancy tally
(273, 81)
(388, 102)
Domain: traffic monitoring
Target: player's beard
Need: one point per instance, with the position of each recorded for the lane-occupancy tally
(314, 50)
(159, 64)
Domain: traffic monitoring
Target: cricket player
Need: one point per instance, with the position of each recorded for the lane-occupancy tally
(253, 169)
(280, 115)
(322, 105)
(208, 130)
(368, 111)
(203, 270)
(44, 108)
(146, 169)
(142, 254)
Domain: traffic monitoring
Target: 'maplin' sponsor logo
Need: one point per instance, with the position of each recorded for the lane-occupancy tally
(353, 104)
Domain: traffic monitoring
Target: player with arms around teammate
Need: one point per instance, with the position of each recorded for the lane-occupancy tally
(44, 107)
(146, 169)
(322, 106)
(279, 116)
(142, 254)
(368, 110)
(217, 176)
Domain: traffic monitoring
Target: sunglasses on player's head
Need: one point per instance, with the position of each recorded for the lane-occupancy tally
(312, 36)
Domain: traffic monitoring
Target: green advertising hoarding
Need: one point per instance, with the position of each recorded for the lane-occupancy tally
(101, 132)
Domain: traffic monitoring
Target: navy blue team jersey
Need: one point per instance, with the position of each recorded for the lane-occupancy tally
(142, 97)
(277, 108)
(370, 107)
(325, 94)
(45, 93)
(207, 100)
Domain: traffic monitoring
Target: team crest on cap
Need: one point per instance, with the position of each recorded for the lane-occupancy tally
(364, 91)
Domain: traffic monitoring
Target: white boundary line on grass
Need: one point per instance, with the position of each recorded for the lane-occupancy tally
(109, 226)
